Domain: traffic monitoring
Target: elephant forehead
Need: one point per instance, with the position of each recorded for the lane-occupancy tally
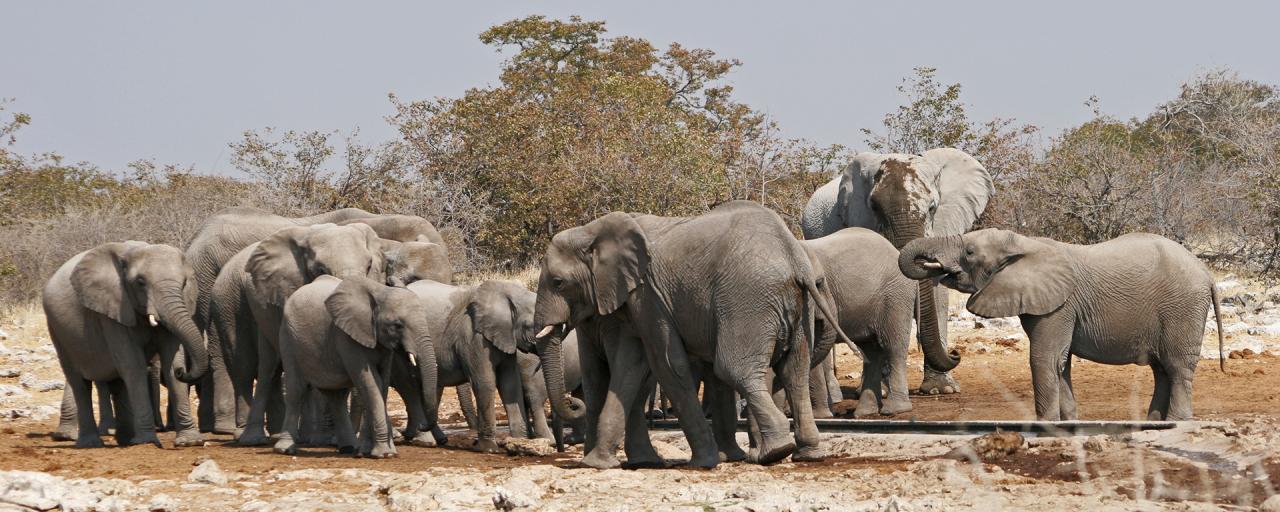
(903, 177)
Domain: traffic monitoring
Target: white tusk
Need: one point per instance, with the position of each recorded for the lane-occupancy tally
(413, 360)
(931, 264)
(545, 331)
(151, 319)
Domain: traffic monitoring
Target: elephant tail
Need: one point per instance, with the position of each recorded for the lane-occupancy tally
(1217, 316)
(826, 309)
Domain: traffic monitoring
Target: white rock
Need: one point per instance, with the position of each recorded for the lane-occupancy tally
(504, 499)
(10, 372)
(44, 412)
(30, 381)
(531, 447)
(1235, 327)
(11, 391)
(1228, 284)
(1271, 505)
(996, 323)
(162, 503)
(209, 473)
(42, 491)
(1265, 330)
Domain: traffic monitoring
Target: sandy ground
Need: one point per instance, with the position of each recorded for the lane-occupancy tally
(1229, 458)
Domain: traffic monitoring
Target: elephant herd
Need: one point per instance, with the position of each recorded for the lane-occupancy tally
(292, 330)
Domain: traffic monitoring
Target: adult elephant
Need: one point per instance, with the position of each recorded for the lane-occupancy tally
(219, 238)
(475, 331)
(109, 309)
(727, 293)
(941, 192)
(250, 293)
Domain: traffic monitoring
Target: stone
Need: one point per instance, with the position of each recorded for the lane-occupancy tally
(162, 503)
(989, 447)
(208, 473)
(530, 447)
(1271, 505)
(10, 372)
(11, 391)
(504, 499)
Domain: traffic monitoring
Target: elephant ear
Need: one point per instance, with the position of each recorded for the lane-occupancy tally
(98, 280)
(964, 188)
(493, 315)
(374, 245)
(1033, 278)
(856, 181)
(351, 307)
(619, 258)
(277, 266)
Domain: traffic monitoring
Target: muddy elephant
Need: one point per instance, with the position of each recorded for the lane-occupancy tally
(338, 335)
(1137, 299)
(940, 192)
(729, 293)
(109, 309)
(250, 292)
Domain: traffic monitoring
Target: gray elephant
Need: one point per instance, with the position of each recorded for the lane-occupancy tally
(407, 262)
(904, 197)
(535, 390)
(1137, 299)
(728, 293)
(108, 310)
(251, 290)
(342, 334)
(219, 238)
(479, 328)
(874, 303)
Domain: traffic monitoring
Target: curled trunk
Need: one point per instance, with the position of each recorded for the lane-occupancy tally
(931, 343)
(551, 351)
(193, 354)
(429, 372)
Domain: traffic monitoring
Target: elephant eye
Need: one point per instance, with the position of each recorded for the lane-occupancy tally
(557, 283)
(142, 281)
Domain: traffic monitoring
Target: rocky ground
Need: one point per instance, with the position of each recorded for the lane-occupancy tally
(1230, 458)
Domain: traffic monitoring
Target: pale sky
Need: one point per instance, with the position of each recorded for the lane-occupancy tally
(112, 82)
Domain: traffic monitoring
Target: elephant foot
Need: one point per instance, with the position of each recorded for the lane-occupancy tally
(223, 429)
(253, 437)
(187, 438)
(868, 405)
(822, 412)
(286, 446)
(574, 438)
(65, 434)
(385, 450)
(808, 454)
(424, 440)
(705, 461)
(347, 449)
(938, 384)
(894, 406)
(89, 442)
(397, 437)
(487, 446)
(772, 449)
(599, 460)
(441, 438)
(149, 438)
(644, 464)
(1155, 415)
(733, 454)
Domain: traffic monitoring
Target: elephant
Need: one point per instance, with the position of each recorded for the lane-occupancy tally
(219, 238)
(940, 192)
(340, 334)
(249, 295)
(476, 331)
(535, 389)
(109, 309)
(874, 302)
(728, 293)
(416, 260)
(1136, 299)
(68, 423)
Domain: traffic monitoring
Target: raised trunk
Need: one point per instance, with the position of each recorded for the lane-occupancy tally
(931, 343)
(176, 317)
(428, 371)
(551, 353)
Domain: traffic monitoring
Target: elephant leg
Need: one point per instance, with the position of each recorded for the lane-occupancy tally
(268, 371)
(936, 382)
(275, 408)
(511, 391)
(1180, 376)
(834, 394)
(132, 366)
(1050, 340)
(294, 400)
(1066, 396)
(179, 399)
(343, 431)
(126, 424)
(819, 395)
(153, 390)
(106, 413)
(795, 379)
(410, 391)
(670, 363)
(724, 417)
(67, 429)
(467, 402)
(82, 393)
(595, 389)
(894, 343)
(535, 393)
(870, 399)
(480, 375)
(636, 442)
(1159, 407)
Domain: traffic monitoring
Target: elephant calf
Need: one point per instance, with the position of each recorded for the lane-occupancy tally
(1137, 299)
(337, 335)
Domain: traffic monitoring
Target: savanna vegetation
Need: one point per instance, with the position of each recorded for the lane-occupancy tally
(580, 124)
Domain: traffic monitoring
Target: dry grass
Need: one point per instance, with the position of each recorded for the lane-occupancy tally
(527, 276)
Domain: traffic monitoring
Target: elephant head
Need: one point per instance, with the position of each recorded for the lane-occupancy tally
(1007, 273)
(588, 271)
(407, 262)
(501, 312)
(135, 282)
(375, 315)
(295, 256)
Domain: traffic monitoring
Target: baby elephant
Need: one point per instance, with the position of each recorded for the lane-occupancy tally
(342, 334)
(1137, 299)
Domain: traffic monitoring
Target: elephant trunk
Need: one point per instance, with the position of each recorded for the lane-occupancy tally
(550, 350)
(927, 258)
(428, 370)
(193, 356)
(935, 353)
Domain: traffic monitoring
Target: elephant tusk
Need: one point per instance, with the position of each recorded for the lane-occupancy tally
(413, 360)
(931, 265)
(151, 319)
(545, 331)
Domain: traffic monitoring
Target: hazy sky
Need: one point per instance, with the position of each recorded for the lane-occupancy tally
(112, 82)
